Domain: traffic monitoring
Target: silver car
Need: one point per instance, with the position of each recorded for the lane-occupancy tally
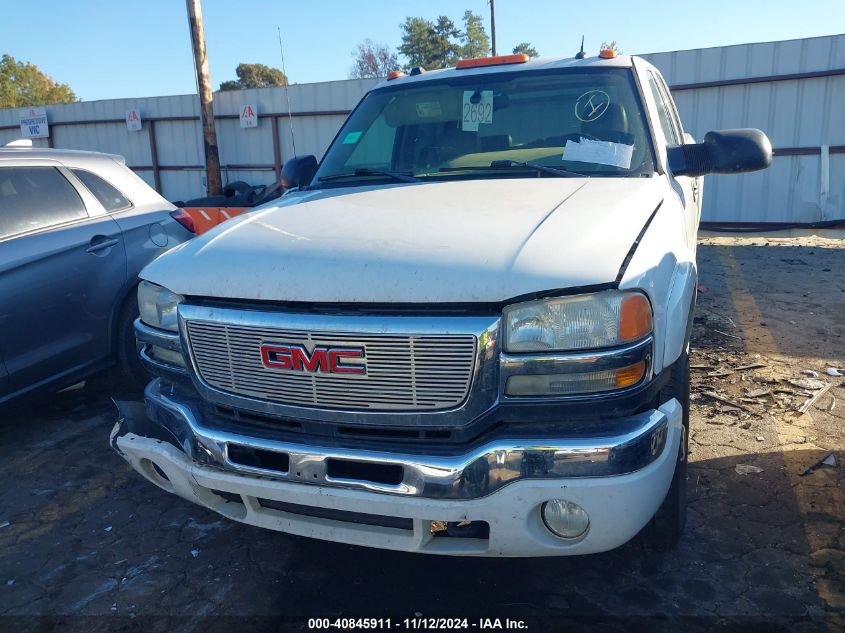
(75, 230)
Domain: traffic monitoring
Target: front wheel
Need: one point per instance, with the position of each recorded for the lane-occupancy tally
(132, 372)
(666, 527)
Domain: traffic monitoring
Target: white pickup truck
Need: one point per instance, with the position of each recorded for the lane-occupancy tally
(464, 332)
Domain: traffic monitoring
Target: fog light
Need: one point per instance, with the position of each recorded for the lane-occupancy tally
(564, 518)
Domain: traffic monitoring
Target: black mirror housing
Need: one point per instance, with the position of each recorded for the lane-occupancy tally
(722, 152)
(298, 171)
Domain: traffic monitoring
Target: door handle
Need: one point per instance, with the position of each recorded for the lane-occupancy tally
(101, 243)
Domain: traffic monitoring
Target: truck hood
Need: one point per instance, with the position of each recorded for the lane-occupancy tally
(462, 241)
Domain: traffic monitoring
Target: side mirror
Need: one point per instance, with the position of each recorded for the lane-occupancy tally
(298, 171)
(722, 152)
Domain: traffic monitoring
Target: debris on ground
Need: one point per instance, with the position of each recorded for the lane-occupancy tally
(5, 524)
(814, 398)
(757, 393)
(746, 469)
(833, 371)
(811, 373)
(810, 384)
(723, 400)
(195, 553)
(828, 459)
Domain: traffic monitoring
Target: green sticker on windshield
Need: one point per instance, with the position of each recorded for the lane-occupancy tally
(351, 138)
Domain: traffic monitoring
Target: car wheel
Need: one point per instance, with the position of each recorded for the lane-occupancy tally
(666, 527)
(132, 372)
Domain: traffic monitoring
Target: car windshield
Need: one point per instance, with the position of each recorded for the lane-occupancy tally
(540, 123)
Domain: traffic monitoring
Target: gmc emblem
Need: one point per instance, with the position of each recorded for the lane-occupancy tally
(323, 360)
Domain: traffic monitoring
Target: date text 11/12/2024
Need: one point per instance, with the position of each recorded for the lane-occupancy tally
(417, 624)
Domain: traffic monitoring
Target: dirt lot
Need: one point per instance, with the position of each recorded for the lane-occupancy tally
(80, 533)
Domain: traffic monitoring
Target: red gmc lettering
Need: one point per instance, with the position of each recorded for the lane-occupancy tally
(317, 361)
(323, 359)
(335, 356)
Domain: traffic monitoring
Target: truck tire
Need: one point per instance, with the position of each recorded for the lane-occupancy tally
(132, 372)
(666, 527)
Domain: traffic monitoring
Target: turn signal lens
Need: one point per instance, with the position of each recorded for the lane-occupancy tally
(634, 317)
(630, 375)
(167, 356)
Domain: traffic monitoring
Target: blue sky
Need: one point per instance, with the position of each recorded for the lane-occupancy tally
(110, 48)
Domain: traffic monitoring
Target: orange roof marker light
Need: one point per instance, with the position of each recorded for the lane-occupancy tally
(395, 74)
(519, 58)
(608, 51)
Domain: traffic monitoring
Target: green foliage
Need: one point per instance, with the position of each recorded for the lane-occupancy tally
(372, 60)
(255, 76)
(475, 39)
(23, 85)
(525, 47)
(429, 44)
(439, 44)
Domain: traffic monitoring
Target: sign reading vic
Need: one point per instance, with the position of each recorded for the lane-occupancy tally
(34, 123)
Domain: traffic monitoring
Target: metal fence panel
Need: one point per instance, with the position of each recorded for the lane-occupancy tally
(715, 88)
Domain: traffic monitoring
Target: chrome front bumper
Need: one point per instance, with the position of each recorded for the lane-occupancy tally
(473, 474)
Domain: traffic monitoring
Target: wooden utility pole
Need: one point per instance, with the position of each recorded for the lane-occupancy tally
(493, 25)
(212, 155)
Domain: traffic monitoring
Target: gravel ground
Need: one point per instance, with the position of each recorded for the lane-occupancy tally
(82, 535)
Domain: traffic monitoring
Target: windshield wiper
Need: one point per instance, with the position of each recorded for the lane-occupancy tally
(506, 163)
(366, 171)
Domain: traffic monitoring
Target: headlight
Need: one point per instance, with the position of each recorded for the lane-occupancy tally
(158, 306)
(589, 321)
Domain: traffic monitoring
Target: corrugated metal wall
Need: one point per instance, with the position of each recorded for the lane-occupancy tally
(798, 103)
(172, 125)
(793, 90)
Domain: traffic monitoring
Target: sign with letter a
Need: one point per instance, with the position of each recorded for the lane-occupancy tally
(34, 123)
(249, 115)
(133, 120)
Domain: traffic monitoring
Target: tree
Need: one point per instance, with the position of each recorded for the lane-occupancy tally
(476, 43)
(430, 44)
(22, 84)
(527, 49)
(255, 76)
(372, 60)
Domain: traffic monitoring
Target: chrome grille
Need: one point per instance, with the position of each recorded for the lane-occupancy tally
(404, 372)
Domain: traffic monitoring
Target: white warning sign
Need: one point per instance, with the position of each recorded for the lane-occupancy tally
(34, 123)
(133, 120)
(249, 115)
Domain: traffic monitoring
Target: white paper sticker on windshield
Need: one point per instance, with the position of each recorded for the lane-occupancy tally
(601, 152)
(477, 108)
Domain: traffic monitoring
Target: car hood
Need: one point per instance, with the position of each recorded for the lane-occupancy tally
(463, 241)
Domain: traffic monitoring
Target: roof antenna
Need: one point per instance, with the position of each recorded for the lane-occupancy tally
(287, 95)
(581, 54)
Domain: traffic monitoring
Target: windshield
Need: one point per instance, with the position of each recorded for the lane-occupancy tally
(576, 122)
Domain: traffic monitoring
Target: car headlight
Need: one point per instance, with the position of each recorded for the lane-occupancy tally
(158, 306)
(544, 339)
(589, 321)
